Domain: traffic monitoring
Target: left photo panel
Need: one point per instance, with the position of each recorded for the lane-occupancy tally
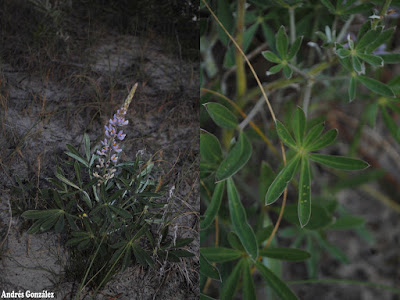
(99, 149)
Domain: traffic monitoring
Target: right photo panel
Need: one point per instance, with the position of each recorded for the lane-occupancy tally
(300, 149)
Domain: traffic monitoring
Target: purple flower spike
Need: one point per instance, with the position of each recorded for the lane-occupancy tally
(121, 135)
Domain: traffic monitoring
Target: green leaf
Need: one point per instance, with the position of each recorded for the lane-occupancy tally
(390, 124)
(210, 148)
(234, 241)
(277, 285)
(248, 36)
(352, 88)
(332, 249)
(236, 159)
(264, 233)
(324, 141)
(295, 47)
(339, 162)
(274, 69)
(271, 56)
(86, 141)
(78, 158)
(371, 113)
(287, 71)
(342, 52)
(220, 254)
(371, 59)
(282, 42)
(382, 38)
(40, 214)
(267, 176)
(329, 5)
(376, 86)
(299, 125)
(347, 222)
(319, 219)
(391, 58)
(222, 116)
(282, 179)
(231, 283)
(304, 202)
(363, 30)
(289, 254)
(181, 253)
(213, 208)
(249, 290)
(239, 221)
(182, 242)
(60, 224)
(284, 135)
(367, 39)
(225, 15)
(313, 135)
(356, 64)
(121, 212)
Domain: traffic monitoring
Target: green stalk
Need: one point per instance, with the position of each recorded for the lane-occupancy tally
(241, 84)
(384, 9)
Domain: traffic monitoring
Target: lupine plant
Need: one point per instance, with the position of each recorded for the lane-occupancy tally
(110, 212)
(260, 171)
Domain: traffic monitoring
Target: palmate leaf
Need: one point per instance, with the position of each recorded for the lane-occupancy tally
(239, 221)
(277, 285)
(281, 180)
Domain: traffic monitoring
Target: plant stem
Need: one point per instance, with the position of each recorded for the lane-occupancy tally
(241, 84)
(292, 28)
(384, 9)
(345, 27)
(307, 96)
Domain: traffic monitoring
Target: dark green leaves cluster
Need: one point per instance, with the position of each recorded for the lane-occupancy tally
(108, 223)
(303, 145)
(285, 55)
(362, 52)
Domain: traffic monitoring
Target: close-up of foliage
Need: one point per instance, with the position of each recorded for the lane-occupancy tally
(109, 211)
(289, 90)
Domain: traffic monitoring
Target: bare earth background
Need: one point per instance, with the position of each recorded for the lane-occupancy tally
(51, 97)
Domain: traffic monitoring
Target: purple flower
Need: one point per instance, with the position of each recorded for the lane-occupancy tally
(121, 135)
(110, 131)
(101, 152)
(381, 50)
(114, 158)
(116, 147)
(105, 142)
(122, 122)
